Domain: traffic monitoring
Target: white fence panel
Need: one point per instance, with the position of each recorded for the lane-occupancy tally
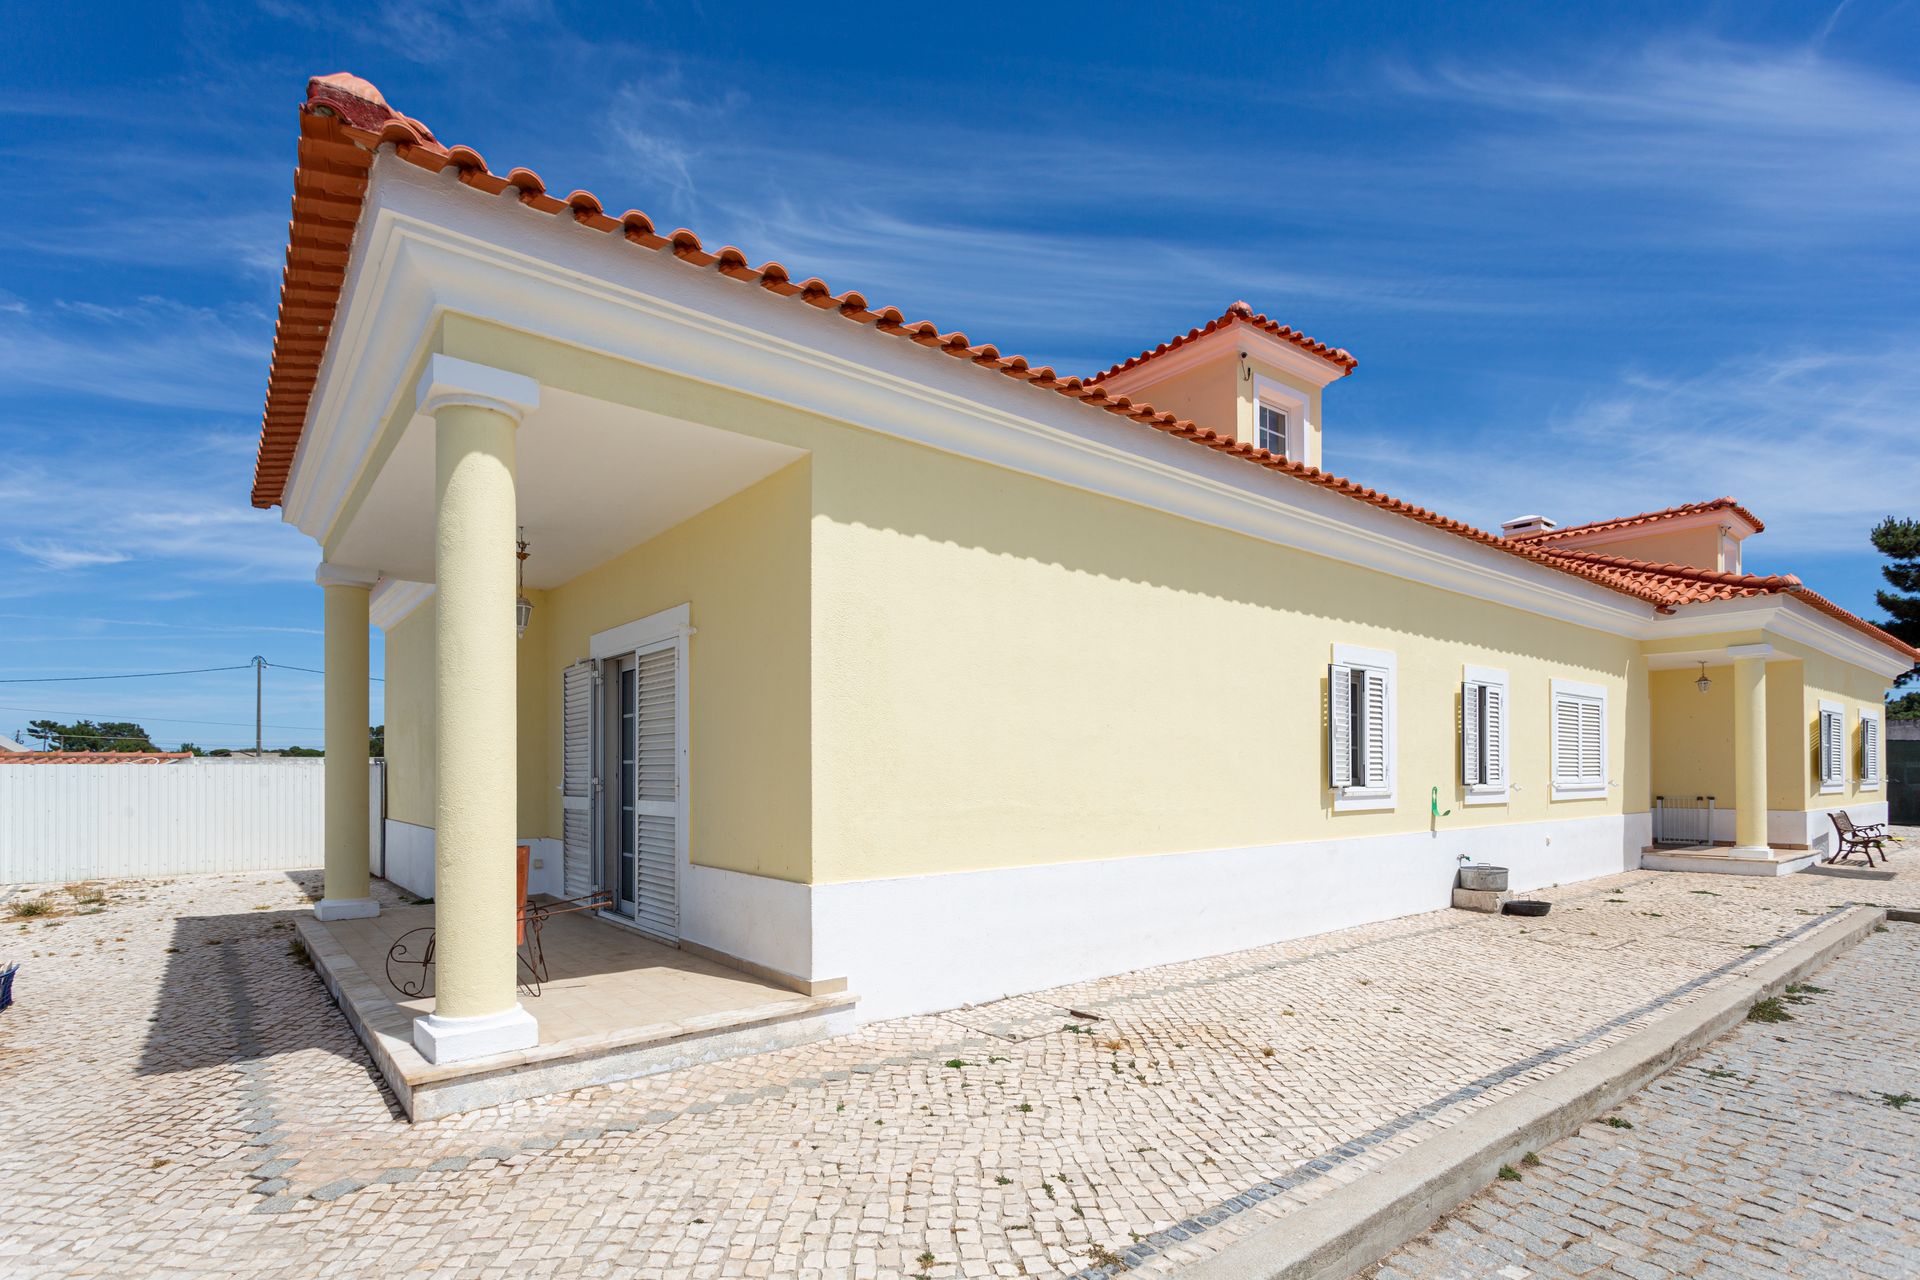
(87, 821)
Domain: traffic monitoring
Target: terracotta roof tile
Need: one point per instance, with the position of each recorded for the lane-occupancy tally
(1240, 313)
(1680, 584)
(1645, 517)
(345, 120)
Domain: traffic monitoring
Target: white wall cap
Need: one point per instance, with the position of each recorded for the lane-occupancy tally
(449, 380)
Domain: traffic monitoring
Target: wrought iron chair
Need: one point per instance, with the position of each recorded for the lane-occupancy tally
(1851, 839)
(410, 958)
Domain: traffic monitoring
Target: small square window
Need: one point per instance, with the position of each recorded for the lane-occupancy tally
(1273, 430)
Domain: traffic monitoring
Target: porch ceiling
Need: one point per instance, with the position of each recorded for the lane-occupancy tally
(594, 479)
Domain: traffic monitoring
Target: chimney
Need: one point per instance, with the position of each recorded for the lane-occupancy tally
(1525, 524)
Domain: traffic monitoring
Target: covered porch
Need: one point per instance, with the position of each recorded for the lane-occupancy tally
(538, 558)
(1750, 752)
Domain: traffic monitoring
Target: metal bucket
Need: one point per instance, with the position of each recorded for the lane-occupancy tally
(1478, 876)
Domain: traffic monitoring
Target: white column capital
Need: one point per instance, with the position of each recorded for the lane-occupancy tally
(449, 380)
(1739, 651)
(340, 575)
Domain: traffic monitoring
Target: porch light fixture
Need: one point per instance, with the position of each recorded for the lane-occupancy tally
(522, 607)
(1702, 684)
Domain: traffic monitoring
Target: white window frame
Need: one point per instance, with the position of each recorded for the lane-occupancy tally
(1833, 781)
(1585, 789)
(1871, 753)
(1280, 396)
(1488, 678)
(1353, 799)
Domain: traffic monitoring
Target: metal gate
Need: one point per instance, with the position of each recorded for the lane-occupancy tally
(1683, 819)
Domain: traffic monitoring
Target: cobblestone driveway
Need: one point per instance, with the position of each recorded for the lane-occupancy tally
(1786, 1151)
(179, 1097)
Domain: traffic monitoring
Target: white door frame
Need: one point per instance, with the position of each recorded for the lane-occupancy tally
(670, 628)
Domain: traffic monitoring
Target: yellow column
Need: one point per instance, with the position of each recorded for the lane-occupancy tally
(346, 592)
(1749, 749)
(476, 1013)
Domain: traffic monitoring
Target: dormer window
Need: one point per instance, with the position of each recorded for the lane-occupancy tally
(1272, 429)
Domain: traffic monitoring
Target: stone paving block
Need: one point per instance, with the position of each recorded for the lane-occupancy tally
(1211, 1098)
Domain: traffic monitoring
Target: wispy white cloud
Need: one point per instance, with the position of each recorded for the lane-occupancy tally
(1771, 139)
(149, 350)
(66, 555)
(1813, 440)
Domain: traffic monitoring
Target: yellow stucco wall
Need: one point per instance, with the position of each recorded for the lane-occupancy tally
(742, 566)
(1853, 688)
(957, 666)
(1692, 734)
(412, 734)
(1698, 546)
(1010, 673)
(409, 710)
(1219, 396)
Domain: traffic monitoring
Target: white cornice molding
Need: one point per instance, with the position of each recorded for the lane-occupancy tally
(340, 575)
(428, 246)
(394, 599)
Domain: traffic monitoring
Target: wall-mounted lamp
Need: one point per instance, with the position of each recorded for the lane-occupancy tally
(522, 607)
(1703, 684)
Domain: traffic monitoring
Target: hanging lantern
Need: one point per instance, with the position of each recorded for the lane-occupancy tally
(1703, 684)
(522, 607)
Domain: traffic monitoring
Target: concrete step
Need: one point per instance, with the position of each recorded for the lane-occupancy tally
(1720, 860)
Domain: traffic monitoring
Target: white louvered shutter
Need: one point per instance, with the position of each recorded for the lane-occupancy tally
(1593, 765)
(1340, 725)
(1830, 738)
(1373, 757)
(576, 778)
(1869, 749)
(1471, 771)
(657, 809)
(1493, 734)
(1566, 739)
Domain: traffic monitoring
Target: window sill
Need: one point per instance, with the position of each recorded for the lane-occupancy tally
(1362, 801)
(1584, 791)
(1485, 797)
(1832, 788)
(1868, 786)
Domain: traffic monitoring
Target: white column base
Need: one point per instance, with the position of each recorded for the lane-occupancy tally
(345, 909)
(1751, 851)
(458, 1039)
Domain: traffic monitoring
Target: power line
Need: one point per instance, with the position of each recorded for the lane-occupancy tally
(147, 675)
(127, 675)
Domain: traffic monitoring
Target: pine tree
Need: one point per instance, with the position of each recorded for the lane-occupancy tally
(1899, 541)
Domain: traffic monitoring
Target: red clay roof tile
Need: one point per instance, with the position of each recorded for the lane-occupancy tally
(345, 120)
(1682, 584)
(1645, 517)
(1238, 313)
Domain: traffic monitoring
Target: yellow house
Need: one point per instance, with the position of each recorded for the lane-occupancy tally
(866, 657)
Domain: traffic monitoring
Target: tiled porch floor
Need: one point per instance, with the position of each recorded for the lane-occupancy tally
(604, 976)
(616, 1005)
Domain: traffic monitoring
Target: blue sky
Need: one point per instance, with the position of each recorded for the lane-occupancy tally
(1591, 262)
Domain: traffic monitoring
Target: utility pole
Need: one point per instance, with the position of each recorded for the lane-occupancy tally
(259, 669)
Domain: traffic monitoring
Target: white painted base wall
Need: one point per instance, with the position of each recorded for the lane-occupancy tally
(410, 860)
(1790, 828)
(924, 943)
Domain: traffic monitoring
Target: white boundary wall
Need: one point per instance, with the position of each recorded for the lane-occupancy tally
(65, 822)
